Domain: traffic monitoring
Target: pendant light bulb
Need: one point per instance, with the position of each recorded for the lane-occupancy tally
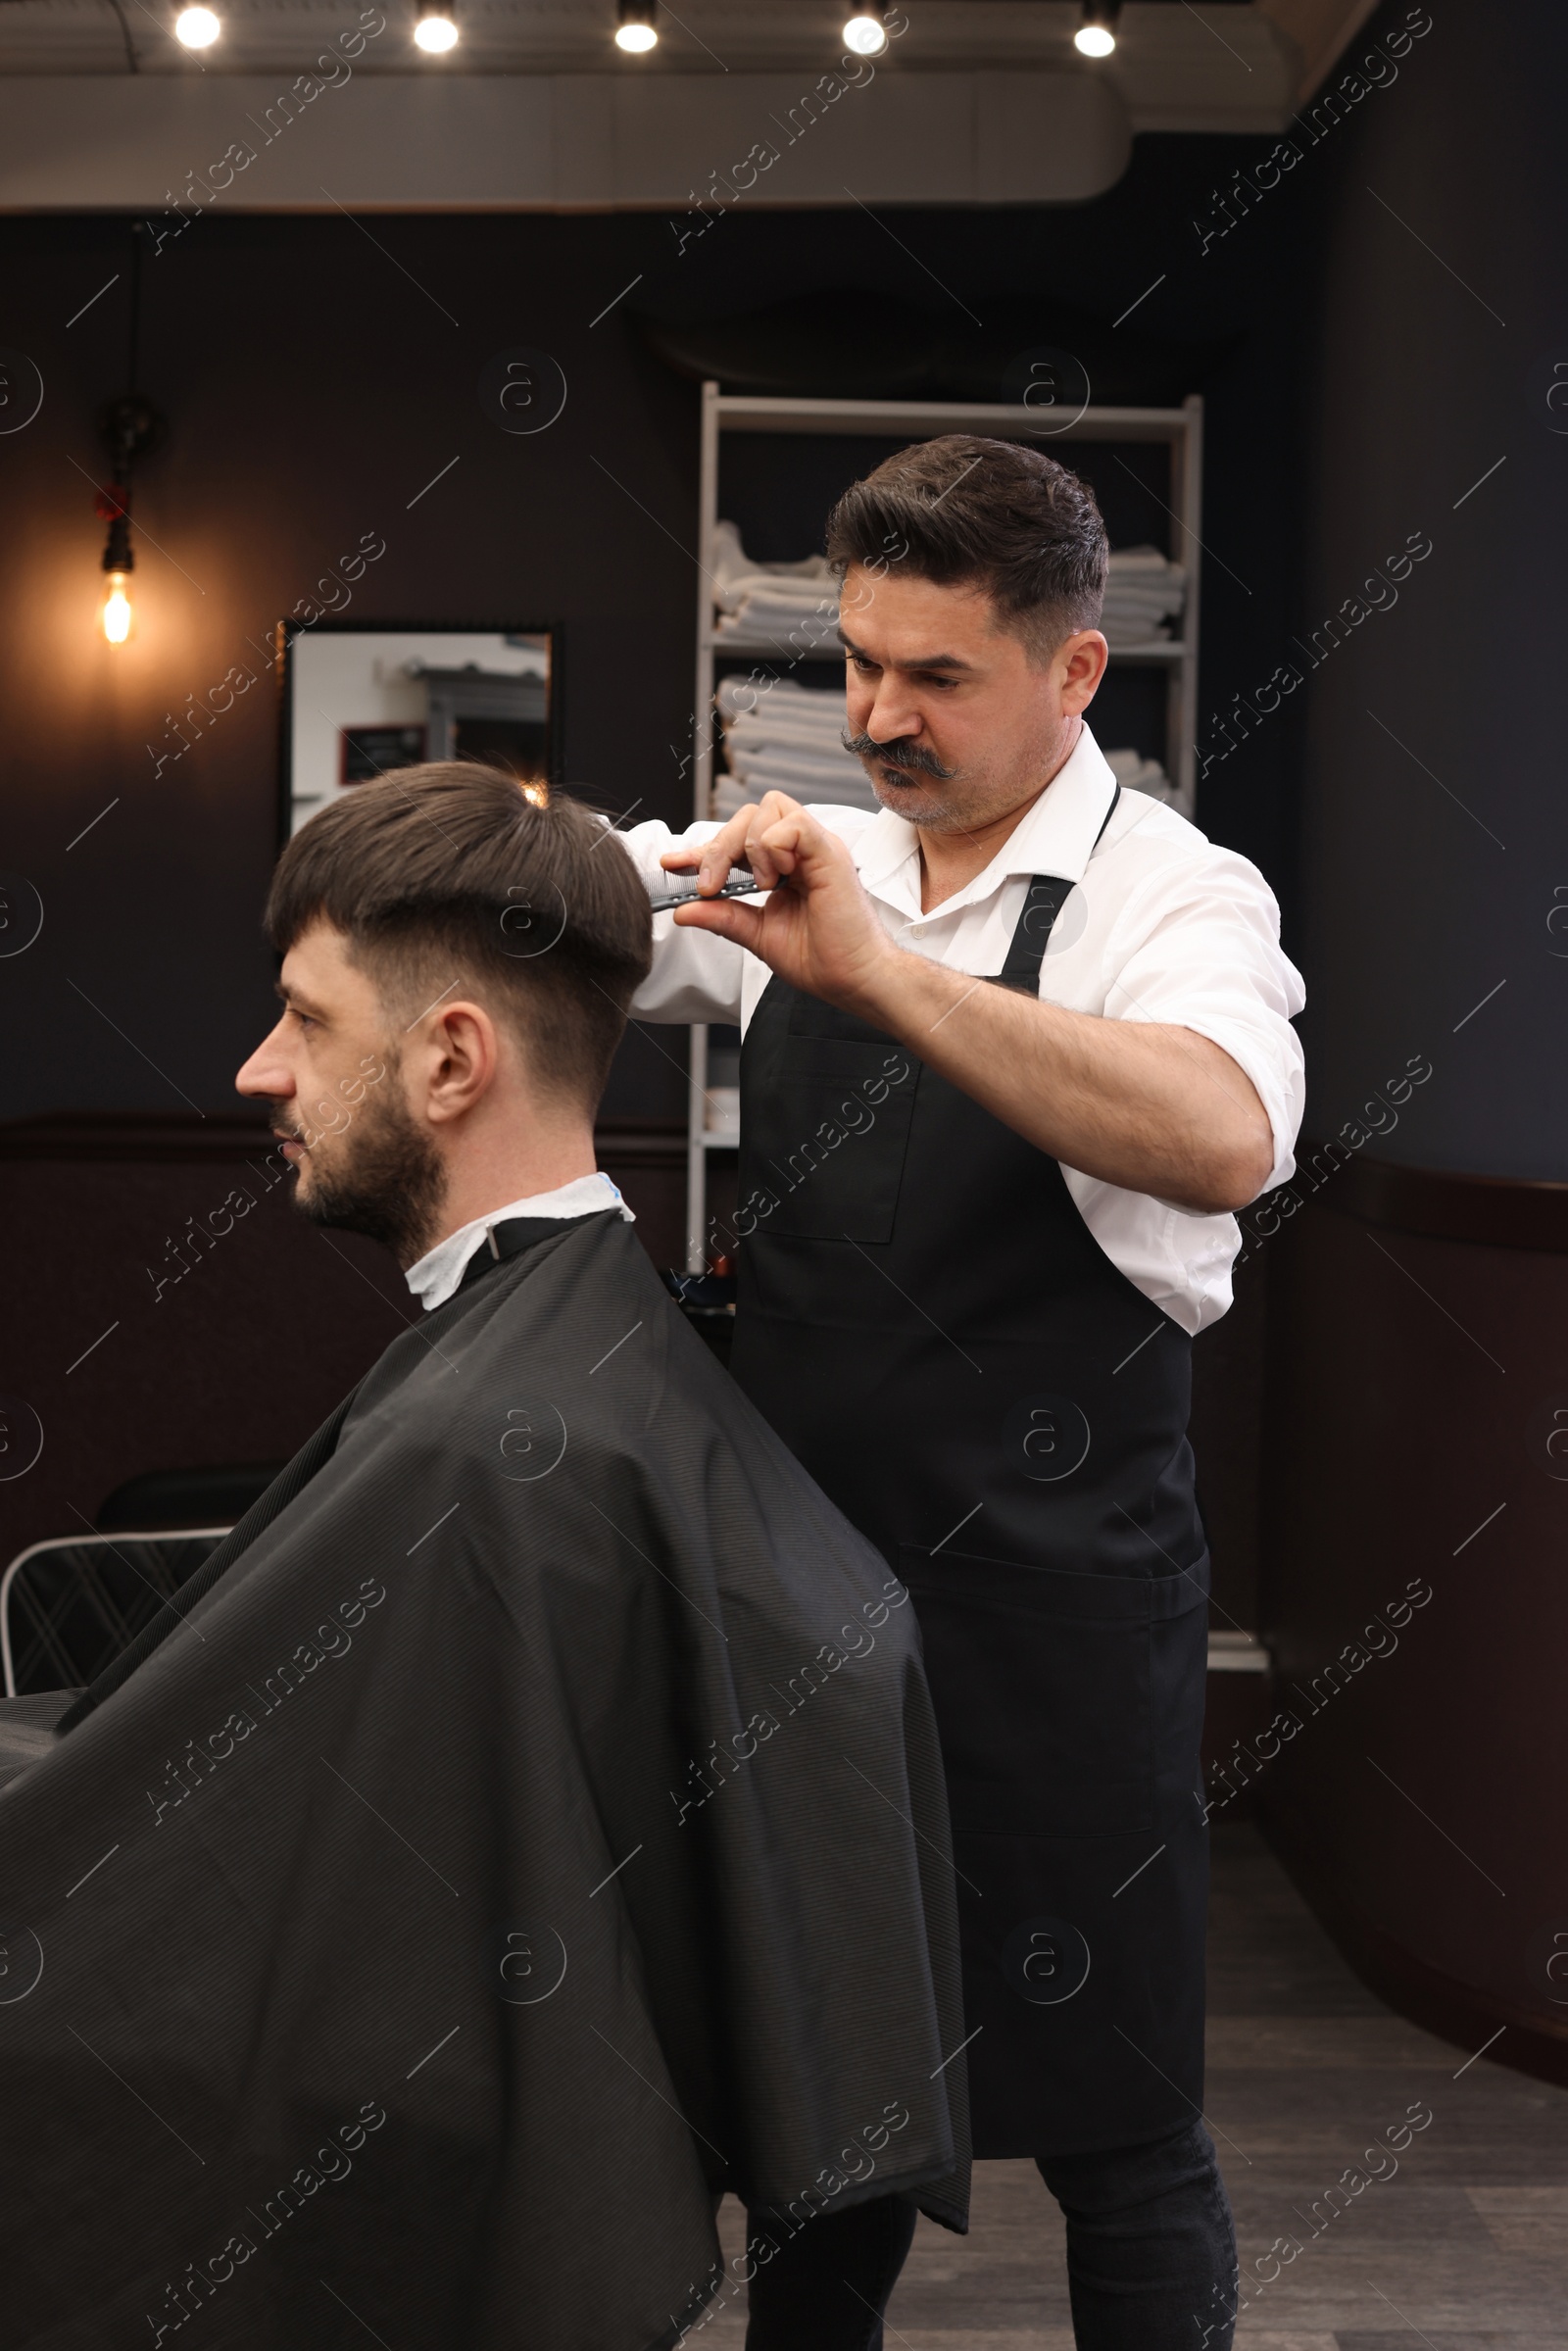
(117, 616)
(131, 426)
(865, 34)
(436, 31)
(1095, 36)
(197, 27)
(636, 27)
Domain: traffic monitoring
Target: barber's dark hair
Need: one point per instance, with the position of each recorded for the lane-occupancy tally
(452, 870)
(991, 515)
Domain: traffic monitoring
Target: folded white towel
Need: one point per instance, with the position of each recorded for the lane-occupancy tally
(806, 766)
(821, 766)
(803, 596)
(764, 604)
(735, 575)
(730, 794)
(730, 556)
(1143, 593)
(1165, 597)
(1135, 774)
(805, 779)
(1128, 561)
(1123, 633)
(1156, 600)
(774, 627)
(765, 600)
(778, 733)
(751, 734)
(741, 697)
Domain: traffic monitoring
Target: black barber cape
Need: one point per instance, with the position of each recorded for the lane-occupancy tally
(535, 1825)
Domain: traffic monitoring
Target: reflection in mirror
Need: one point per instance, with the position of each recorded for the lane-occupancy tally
(364, 701)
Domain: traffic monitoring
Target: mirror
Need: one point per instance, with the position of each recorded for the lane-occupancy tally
(359, 701)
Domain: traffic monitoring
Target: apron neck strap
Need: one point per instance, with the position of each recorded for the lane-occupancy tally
(1044, 901)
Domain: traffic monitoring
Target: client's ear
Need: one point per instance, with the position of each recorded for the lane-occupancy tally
(455, 1062)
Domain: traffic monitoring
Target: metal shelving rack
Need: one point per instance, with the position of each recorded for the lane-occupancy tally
(1180, 428)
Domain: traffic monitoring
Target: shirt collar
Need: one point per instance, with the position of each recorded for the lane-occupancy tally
(437, 1274)
(1058, 836)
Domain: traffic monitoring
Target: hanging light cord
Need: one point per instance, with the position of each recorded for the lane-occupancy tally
(132, 64)
(138, 229)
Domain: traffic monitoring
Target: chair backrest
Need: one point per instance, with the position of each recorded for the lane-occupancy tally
(215, 1495)
(68, 1607)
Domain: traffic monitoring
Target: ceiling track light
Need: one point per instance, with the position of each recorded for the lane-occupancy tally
(197, 27)
(1095, 36)
(636, 27)
(436, 31)
(866, 31)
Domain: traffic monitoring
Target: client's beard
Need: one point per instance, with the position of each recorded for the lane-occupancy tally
(386, 1179)
(897, 763)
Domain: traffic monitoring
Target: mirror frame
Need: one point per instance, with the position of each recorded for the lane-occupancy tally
(287, 632)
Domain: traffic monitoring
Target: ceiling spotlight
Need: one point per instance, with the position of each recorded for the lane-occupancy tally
(197, 27)
(1095, 36)
(437, 30)
(636, 27)
(865, 34)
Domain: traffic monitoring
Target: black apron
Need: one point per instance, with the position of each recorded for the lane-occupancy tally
(926, 1320)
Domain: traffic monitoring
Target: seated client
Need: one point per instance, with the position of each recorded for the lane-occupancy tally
(528, 1824)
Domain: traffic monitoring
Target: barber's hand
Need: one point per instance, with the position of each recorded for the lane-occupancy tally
(817, 929)
(711, 860)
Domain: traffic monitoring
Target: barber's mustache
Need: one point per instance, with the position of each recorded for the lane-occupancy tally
(898, 754)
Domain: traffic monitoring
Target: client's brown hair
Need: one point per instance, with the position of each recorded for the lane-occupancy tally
(450, 869)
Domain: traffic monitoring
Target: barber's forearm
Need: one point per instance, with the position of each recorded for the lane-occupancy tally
(1145, 1106)
(1148, 1107)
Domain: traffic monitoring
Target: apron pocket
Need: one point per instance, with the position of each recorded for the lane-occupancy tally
(1042, 1686)
(835, 1142)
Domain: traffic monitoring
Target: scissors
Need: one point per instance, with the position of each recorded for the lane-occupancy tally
(741, 884)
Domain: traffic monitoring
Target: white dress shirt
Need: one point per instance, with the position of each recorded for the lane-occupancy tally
(438, 1273)
(1163, 926)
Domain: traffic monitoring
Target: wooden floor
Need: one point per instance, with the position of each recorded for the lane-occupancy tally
(1465, 2249)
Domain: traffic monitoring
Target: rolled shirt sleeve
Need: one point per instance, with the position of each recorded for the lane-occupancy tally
(1198, 947)
(695, 975)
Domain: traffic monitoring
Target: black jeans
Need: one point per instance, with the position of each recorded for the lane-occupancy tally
(825, 2288)
(1151, 2257)
(1151, 2245)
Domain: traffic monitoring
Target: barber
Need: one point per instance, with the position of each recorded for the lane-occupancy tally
(1015, 1049)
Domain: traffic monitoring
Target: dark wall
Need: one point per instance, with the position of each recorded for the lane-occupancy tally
(316, 376)
(1414, 1601)
(312, 390)
(1418, 1373)
(1434, 836)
